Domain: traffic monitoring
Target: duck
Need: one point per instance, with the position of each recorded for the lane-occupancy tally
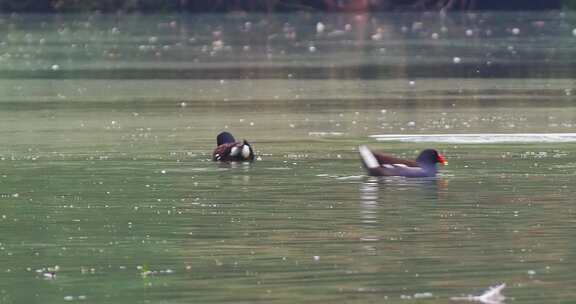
(228, 149)
(379, 164)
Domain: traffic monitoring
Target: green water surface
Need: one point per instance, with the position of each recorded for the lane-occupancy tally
(108, 193)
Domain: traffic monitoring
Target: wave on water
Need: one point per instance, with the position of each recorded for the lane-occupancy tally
(321, 134)
(480, 138)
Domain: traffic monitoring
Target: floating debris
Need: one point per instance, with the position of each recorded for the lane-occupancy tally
(146, 272)
(492, 296)
(423, 295)
(48, 273)
(72, 298)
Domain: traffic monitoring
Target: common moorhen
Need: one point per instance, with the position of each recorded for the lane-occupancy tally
(378, 164)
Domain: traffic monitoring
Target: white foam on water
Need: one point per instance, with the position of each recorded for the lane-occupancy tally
(321, 134)
(351, 177)
(480, 138)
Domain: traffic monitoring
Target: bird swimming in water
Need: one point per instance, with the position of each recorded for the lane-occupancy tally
(228, 149)
(379, 164)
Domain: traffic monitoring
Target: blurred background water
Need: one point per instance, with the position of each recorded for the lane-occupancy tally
(109, 194)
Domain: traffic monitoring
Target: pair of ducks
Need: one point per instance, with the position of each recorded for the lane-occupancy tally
(375, 163)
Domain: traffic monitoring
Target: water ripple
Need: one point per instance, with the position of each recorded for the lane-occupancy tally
(481, 138)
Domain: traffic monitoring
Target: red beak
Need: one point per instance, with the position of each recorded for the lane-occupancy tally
(441, 159)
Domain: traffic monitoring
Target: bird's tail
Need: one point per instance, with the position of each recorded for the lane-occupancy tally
(368, 159)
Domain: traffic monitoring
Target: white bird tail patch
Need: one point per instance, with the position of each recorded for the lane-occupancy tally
(368, 158)
(246, 151)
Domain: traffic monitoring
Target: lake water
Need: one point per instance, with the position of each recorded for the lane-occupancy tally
(108, 193)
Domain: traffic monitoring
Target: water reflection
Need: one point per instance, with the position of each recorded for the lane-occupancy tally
(374, 191)
(369, 189)
(427, 188)
(239, 172)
